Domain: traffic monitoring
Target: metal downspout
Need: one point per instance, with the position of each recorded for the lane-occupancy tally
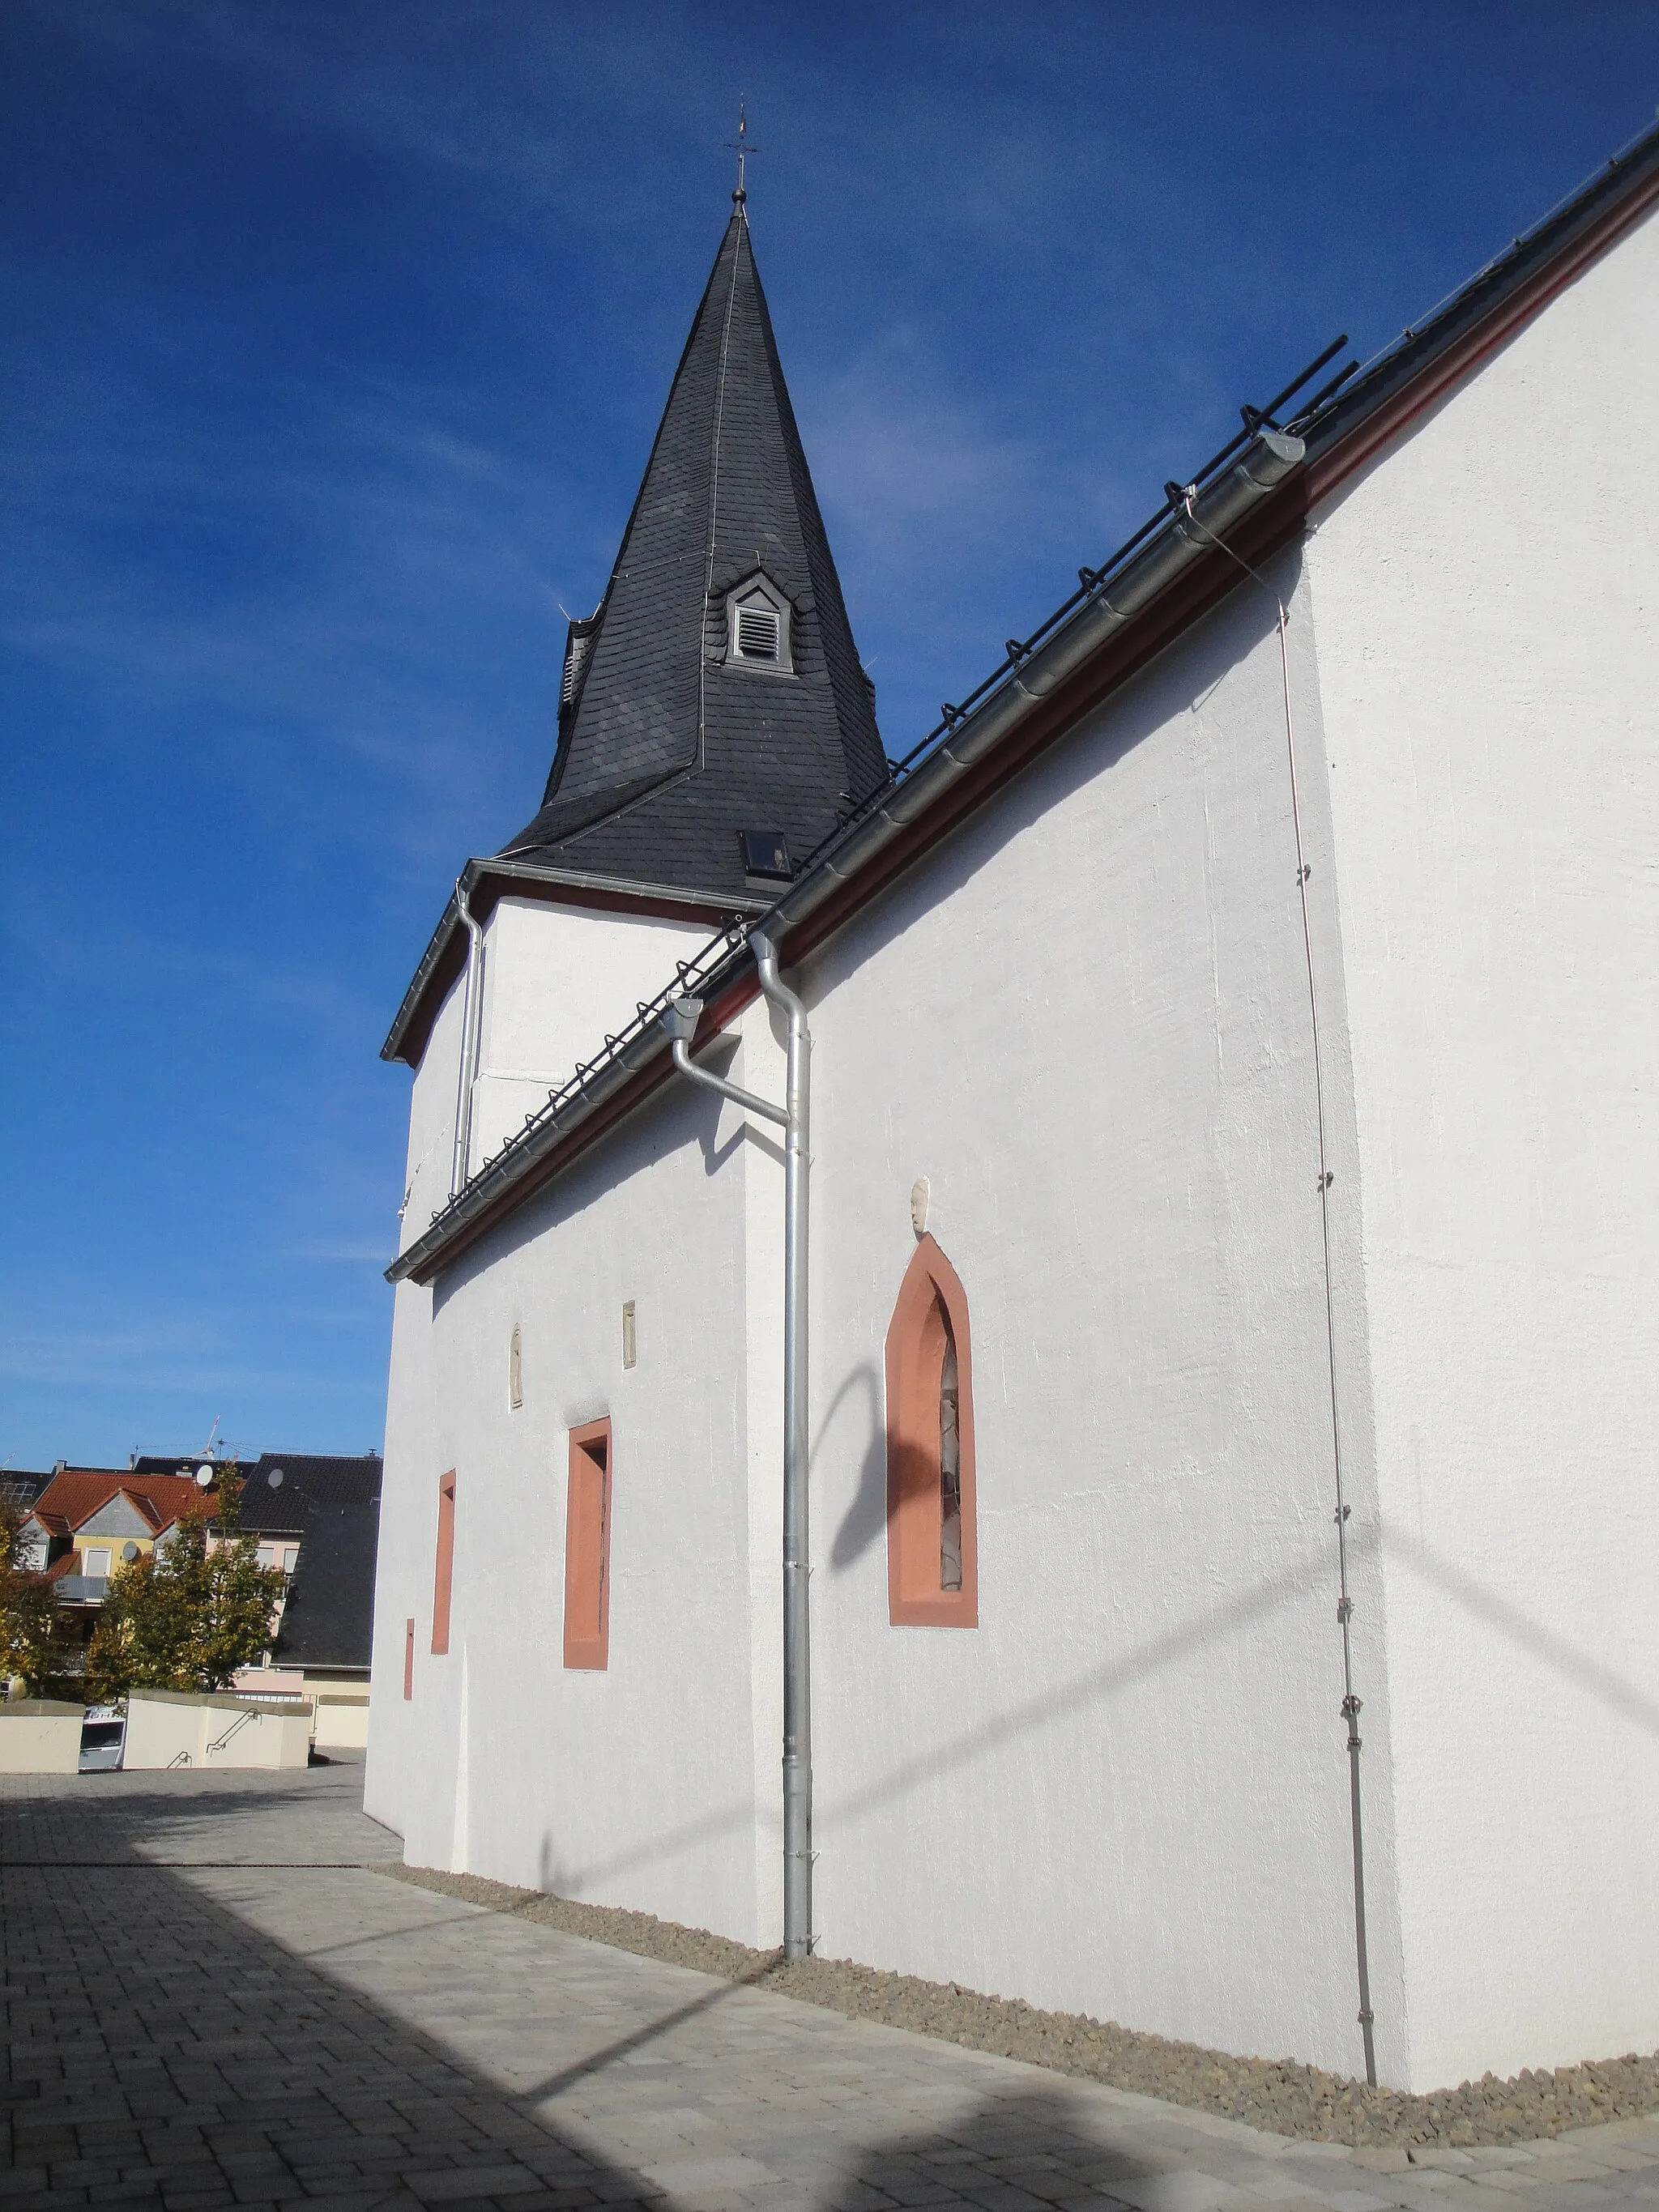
(797, 1614)
(680, 1023)
(467, 1075)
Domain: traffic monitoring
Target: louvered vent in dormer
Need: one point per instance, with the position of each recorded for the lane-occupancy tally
(757, 634)
(758, 628)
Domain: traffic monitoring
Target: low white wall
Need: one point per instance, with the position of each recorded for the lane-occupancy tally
(174, 1729)
(342, 1722)
(37, 1735)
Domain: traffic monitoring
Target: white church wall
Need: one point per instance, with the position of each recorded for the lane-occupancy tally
(556, 980)
(1484, 606)
(1085, 1021)
(432, 1120)
(399, 1775)
(399, 1781)
(633, 1784)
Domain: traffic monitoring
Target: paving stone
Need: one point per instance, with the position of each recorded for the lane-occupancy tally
(267, 2023)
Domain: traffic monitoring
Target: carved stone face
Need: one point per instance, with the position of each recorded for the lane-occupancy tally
(920, 1191)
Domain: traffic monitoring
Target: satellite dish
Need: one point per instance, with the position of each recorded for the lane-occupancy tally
(275, 1478)
(204, 1476)
(129, 1550)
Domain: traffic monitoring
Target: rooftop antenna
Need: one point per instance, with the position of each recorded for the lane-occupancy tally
(741, 147)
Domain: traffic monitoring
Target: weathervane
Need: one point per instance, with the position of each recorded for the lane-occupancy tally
(741, 147)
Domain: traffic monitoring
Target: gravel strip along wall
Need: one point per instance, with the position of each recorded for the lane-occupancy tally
(1278, 2095)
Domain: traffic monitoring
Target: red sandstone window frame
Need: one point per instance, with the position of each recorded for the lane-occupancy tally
(587, 1547)
(916, 1342)
(444, 1569)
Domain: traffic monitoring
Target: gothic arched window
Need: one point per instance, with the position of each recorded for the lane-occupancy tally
(932, 1556)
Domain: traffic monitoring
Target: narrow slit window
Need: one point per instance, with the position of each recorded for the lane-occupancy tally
(932, 1554)
(444, 1569)
(409, 1660)
(587, 1548)
(515, 1368)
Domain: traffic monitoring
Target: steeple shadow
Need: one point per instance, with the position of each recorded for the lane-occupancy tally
(1024, 2146)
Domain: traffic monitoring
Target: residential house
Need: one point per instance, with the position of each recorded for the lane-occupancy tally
(86, 1521)
(316, 1516)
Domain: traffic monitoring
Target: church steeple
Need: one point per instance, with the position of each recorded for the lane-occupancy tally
(717, 691)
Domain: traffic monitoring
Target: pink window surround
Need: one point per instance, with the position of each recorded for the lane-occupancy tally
(588, 1549)
(446, 1564)
(408, 1658)
(932, 1567)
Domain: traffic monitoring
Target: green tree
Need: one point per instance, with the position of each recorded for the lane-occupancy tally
(190, 1614)
(33, 1644)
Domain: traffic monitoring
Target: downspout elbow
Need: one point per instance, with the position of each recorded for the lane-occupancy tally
(765, 950)
(679, 1025)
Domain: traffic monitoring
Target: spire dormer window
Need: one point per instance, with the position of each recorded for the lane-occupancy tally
(758, 627)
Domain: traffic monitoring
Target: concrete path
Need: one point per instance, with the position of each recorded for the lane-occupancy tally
(210, 2001)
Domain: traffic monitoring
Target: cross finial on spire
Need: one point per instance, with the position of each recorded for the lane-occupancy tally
(741, 147)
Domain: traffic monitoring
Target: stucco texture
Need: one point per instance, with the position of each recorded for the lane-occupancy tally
(1485, 608)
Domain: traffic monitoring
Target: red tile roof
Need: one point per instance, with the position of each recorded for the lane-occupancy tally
(72, 1499)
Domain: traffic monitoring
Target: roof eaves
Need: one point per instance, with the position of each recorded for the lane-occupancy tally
(590, 1091)
(696, 905)
(1588, 219)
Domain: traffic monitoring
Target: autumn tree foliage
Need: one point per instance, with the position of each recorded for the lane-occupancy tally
(32, 1645)
(192, 1614)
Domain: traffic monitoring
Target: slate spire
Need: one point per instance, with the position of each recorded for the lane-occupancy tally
(680, 729)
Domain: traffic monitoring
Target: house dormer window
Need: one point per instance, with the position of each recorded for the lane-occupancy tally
(758, 627)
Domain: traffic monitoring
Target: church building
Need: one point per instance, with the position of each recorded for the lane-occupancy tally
(1165, 1165)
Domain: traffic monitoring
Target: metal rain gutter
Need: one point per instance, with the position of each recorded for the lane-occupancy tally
(590, 1089)
(1263, 468)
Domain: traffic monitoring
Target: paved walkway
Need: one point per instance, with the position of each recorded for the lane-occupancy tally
(211, 2002)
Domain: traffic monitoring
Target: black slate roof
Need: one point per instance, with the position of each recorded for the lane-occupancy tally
(328, 1619)
(308, 1479)
(667, 752)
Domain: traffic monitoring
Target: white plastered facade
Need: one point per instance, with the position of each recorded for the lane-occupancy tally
(1086, 1019)
(1486, 607)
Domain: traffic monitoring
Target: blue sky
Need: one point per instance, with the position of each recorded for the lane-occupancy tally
(334, 336)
